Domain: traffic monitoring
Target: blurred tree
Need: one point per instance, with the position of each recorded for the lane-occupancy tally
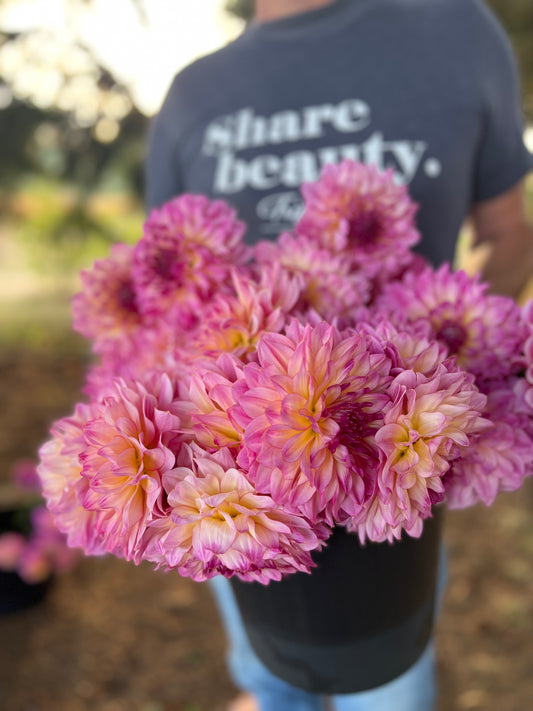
(62, 113)
(71, 106)
(51, 144)
(64, 116)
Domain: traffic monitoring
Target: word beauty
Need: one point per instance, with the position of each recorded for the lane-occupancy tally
(245, 130)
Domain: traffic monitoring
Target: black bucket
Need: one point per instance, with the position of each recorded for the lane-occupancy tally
(360, 619)
(16, 594)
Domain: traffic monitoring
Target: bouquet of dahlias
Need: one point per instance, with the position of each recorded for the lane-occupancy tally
(245, 401)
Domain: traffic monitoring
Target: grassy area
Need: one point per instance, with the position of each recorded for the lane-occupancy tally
(47, 235)
(61, 230)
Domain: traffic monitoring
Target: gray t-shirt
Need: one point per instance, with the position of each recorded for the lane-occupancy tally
(429, 89)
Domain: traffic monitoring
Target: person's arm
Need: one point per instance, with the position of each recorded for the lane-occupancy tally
(501, 224)
(502, 162)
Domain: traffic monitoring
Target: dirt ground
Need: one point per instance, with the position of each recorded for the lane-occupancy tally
(113, 637)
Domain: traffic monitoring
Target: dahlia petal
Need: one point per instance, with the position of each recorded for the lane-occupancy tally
(211, 536)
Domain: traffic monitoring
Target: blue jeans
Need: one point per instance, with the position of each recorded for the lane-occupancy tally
(415, 690)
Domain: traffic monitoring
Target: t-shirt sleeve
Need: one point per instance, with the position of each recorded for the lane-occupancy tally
(503, 158)
(162, 171)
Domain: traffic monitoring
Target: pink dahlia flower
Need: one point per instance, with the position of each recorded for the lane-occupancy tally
(483, 331)
(25, 475)
(222, 526)
(33, 565)
(63, 486)
(45, 551)
(12, 545)
(213, 393)
(159, 349)
(310, 414)
(234, 324)
(188, 247)
(129, 444)
(329, 286)
(499, 457)
(359, 211)
(106, 309)
(425, 423)
(373, 523)
(524, 385)
(407, 350)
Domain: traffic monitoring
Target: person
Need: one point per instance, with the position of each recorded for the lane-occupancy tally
(429, 90)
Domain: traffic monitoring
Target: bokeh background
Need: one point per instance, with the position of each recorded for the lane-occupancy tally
(79, 80)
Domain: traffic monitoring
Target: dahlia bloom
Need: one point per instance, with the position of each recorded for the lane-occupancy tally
(128, 445)
(234, 323)
(64, 488)
(309, 415)
(499, 457)
(528, 353)
(483, 331)
(360, 212)
(185, 255)
(328, 285)
(156, 349)
(106, 309)
(413, 265)
(44, 551)
(523, 386)
(407, 349)
(33, 548)
(33, 565)
(425, 422)
(223, 526)
(25, 475)
(213, 393)
(12, 545)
